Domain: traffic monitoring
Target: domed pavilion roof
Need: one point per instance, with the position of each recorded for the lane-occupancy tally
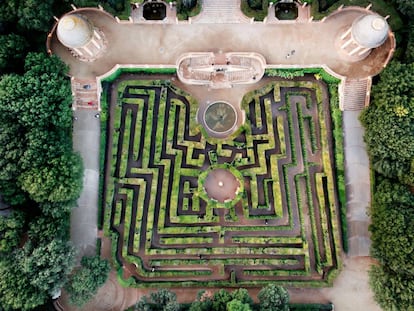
(74, 31)
(370, 31)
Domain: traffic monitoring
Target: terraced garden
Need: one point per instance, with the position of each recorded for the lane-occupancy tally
(283, 224)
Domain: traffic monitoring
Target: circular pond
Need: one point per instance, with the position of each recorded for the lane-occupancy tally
(221, 185)
(220, 117)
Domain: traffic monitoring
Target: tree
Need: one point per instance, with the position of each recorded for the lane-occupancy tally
(392, 227)
(32, 273)
(389, 123)
(35, 122)
(40, 63)
(16, 291)
(86, 281)
(48, 144)
(406, 7)
(237, 305)
(12, 50)
(41, 98)
(61, 181)
(273, 298)
(8, 10)
(47, 265)
(189, 4)
(243, 296)
(203, 302)
(11, 229)
(12, 144)
(11, 150)
(409, 51)
(393, 291)
(165, 300)
(35, 15)
(162, 300)
(220, 300)
(44, 228)
(57, 210)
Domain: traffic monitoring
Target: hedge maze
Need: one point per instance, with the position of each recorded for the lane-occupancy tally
(283, 226)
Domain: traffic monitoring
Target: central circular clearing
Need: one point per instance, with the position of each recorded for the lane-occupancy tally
(220, 117)
(221, 185)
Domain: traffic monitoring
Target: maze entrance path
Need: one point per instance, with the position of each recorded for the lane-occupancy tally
(284, 225)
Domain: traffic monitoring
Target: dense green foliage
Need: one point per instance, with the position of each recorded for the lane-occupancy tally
(238, 300)
(60, 181)
(389, 136)
(392, 231)
(36, 151)
(273, 298)
(255, 8)
(162, 300)
(86, 281)
(406, 7)
(187, 8)
(392, 227)
(12, 51)
(255, 4)
(40, 177)
(389, 123)
(11, 229)
(237, 305)
(393, 291)
(32, 273)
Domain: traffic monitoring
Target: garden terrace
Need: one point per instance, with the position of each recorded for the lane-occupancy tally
(284, 224)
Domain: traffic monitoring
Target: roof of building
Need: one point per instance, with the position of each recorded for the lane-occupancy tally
(74, 31)
(370, 31)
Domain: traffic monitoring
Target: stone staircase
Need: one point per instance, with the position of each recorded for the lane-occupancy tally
(355, 94)
(220, 11)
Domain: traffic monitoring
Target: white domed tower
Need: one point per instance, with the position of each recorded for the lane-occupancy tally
(77, 33)
(366, 33)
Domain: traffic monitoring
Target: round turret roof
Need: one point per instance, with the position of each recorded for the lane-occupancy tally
(370, 31)
(74, 31)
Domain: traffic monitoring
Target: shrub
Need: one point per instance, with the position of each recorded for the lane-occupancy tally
(273, 298)
(86, 281)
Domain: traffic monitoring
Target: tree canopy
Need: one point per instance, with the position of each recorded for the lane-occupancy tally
(161, 300)
(12, 50)
(389, 123)
(35, 15)
(40, 173)
(406, 7)
(60, 181)
(32, 273)
(392, 227)
(393, 291)
(36, 154)
(11, 229)
(237, 305)
(273, 298)
(84, 284)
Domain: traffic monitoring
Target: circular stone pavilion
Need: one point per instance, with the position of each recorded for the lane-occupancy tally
(366, 33)
(78, 34)
(221, 185)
